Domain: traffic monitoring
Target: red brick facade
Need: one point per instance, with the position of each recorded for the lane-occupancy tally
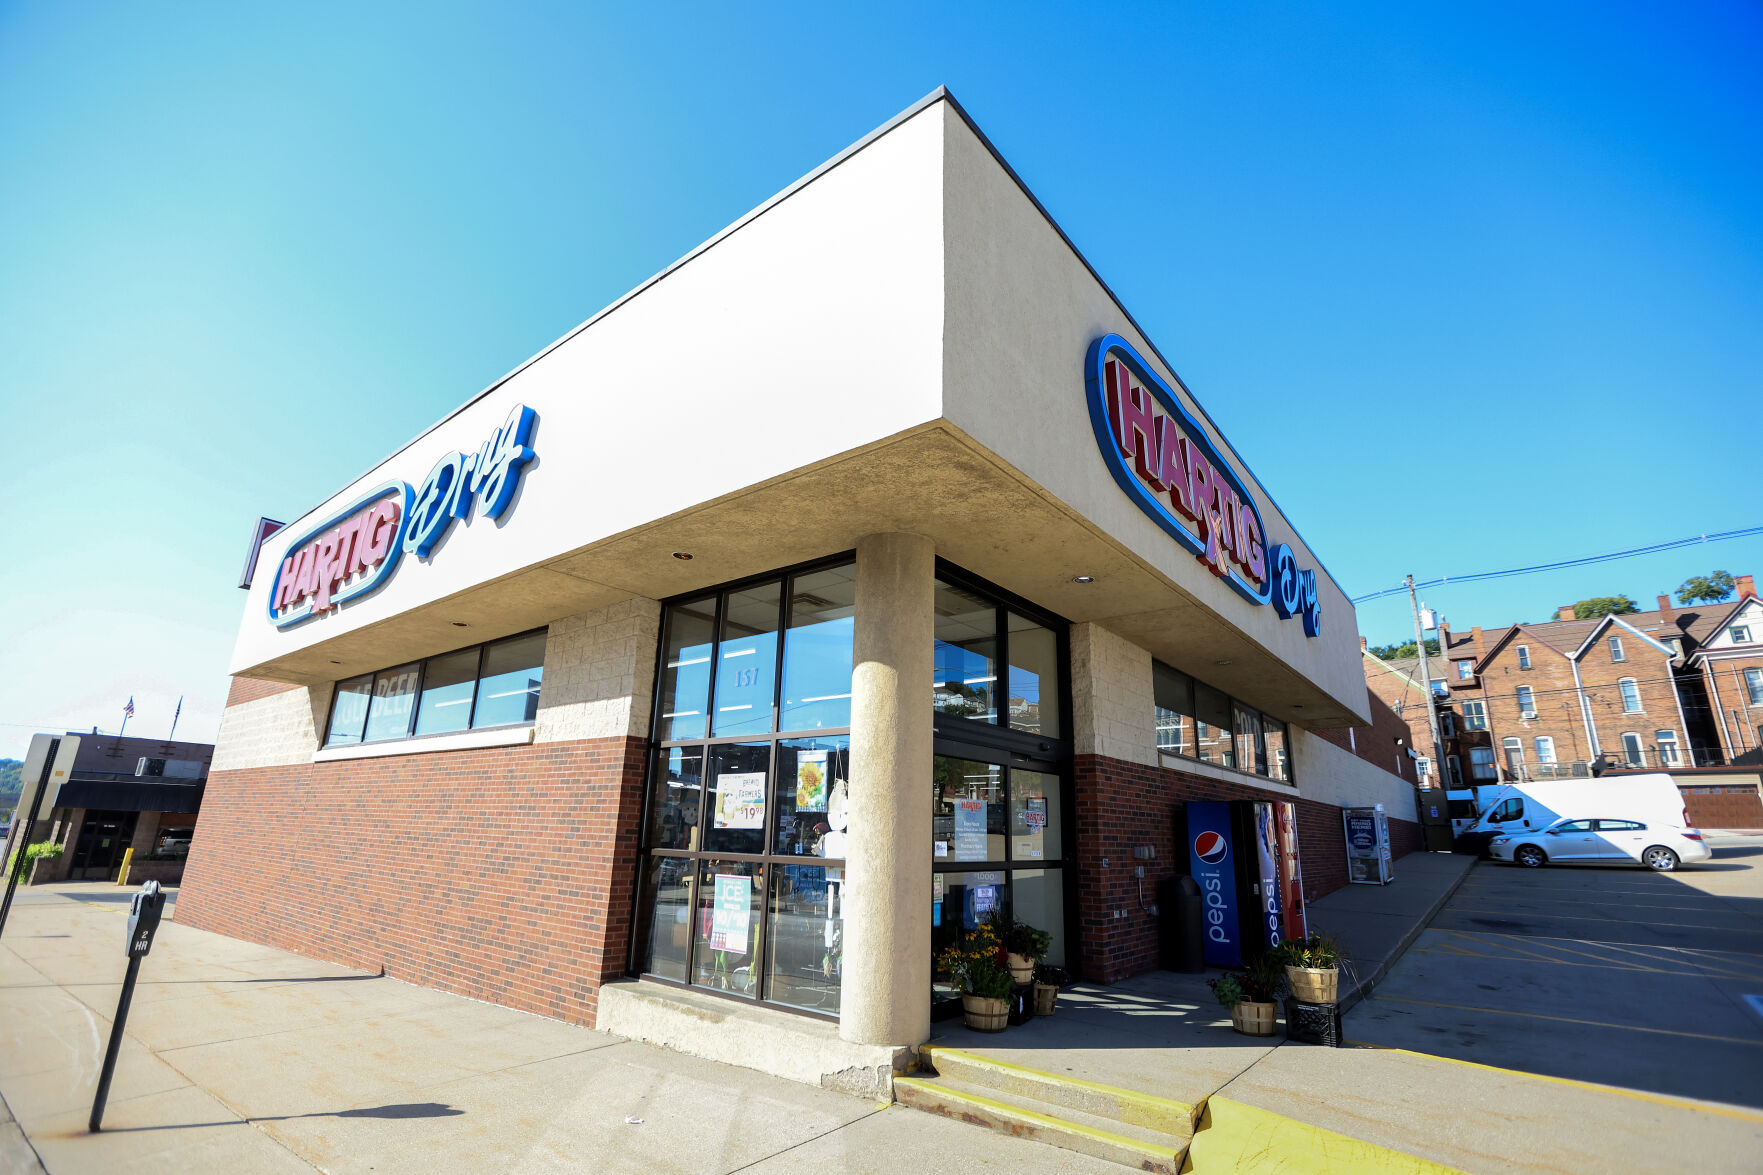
(1121, 805)
(506, 874)
(249, 689)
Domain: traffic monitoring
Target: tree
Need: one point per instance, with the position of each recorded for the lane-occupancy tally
(1706, 589)
(1604, 606)
(1395, 652)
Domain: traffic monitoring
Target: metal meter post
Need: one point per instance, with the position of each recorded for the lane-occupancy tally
(144, 912)
(45, 770)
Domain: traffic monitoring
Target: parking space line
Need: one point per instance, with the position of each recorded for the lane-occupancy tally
(1624, 921)
(1379, 997)
(1661, 1099)
(1603, 960)
(1630, 968)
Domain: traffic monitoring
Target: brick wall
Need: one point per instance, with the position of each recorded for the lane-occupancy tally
(1121, 805)
(503, 874)
(1376, 744)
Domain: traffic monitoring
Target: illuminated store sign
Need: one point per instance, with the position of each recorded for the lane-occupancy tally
(1167, 465)
(354, 551)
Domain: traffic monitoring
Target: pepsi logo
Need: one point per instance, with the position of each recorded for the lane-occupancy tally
(1210, 847)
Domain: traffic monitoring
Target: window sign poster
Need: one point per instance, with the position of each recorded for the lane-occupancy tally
(729, 917)
(811, 781)
(1036, 815)
(740, 800)
(970, 830)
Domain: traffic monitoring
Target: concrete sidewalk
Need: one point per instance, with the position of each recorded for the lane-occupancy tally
(242, 1059)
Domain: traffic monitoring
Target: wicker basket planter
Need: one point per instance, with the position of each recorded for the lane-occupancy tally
(1253, 1019)
(1022, 969)
(986, 1015)
(1046, 995)
(1315, 985)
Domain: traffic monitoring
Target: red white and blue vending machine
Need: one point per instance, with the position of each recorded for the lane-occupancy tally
(1243, 854)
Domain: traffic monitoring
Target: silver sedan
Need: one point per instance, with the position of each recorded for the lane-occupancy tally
(1660, 847)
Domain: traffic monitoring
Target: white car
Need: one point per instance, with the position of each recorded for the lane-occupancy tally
(1660, 847)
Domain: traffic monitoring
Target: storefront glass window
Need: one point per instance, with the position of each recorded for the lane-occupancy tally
(1037, 897)
(388, 714)
(670, 880)
(685, 669)
(967, 811)
(746, 660)
(447, 686)
(726, 938)
(1214, 727)
(1173, 695)
(1034, 676)
(1034, 816)
(805, 939)
(508, 688)
(736, 820)
(966, 666)
(817, 650)
(812, 795)
(677, 798)
(349, 711)
(1279, 764)
(1251, 754)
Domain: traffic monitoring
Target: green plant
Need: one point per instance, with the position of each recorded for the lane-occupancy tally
(1227, 989)
(1319, 950)
(1706, 589)
(43, 848)
(989, 981)
(1019, 938)
(1264, 976)
(1052, 976)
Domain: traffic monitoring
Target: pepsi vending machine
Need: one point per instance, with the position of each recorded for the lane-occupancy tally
(1240, 861)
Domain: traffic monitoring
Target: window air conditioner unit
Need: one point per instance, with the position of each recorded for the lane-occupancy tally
(1528, 714)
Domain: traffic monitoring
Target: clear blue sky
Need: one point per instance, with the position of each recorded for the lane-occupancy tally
(1471, 286)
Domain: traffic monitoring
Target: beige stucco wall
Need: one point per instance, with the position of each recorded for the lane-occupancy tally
(1325, 772)
(600, 673)
(275, 731)
(1111, 696)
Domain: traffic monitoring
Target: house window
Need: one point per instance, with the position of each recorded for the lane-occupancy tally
(1475, 715)
(1526, 700)
(1631, 695)
(1631, 749)
(1454, 769)
(1740, 633)
(1545, 749)
(1616, 653)
(1514, 751)
(1447, 726)
(1668, 752)
(1465, 670)
(486, 685)
(1481, 763)
(1754, 686)
(1524, 656)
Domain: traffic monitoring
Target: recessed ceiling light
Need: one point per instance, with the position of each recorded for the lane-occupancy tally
(683, 555)
(1083, 579)
(1297, 705)
(336, 662)
(460, 624)
(1221, 662)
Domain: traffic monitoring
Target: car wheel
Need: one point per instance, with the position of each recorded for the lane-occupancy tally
(1529, 856)
(1659, 859)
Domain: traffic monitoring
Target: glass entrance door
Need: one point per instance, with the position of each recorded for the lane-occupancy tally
(97, 852)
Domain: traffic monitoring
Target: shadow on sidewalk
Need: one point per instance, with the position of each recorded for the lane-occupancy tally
(402, 1110)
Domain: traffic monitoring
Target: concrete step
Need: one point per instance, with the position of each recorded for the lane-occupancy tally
(1057, 1125)
(1130, 1107)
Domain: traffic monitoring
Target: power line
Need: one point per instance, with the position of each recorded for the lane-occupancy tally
(1654, 549)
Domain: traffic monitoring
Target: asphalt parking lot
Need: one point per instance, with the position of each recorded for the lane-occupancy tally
(1619, 976)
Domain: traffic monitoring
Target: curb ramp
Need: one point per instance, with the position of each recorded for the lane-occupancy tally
(1234, 1137)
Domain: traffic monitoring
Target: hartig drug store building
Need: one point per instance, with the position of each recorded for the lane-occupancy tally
(653, 687)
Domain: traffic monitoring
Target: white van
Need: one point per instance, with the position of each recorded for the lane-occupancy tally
(1533, 806)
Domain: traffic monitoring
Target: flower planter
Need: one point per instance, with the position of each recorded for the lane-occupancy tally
(1315, 985)
(1045, 996)
(983, 1014)
(1253, 1019)
(1022, 969)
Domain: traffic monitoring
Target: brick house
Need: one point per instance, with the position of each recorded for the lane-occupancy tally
(1729, 663)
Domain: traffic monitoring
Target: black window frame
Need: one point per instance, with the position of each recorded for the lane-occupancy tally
(421, 664)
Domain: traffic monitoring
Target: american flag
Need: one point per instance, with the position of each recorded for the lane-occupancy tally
(128, 711)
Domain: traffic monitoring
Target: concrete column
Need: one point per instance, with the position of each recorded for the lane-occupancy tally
(886, 989)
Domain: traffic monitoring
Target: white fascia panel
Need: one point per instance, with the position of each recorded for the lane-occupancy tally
(811, 328)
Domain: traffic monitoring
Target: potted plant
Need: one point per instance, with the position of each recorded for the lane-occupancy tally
(1312, 967)
(1249, 994)
(1048, 981)
(1024, 945)
(975, 967)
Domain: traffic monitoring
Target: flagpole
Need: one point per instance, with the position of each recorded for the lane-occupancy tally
(174, 719)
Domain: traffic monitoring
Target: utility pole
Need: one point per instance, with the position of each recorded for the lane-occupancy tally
(1432, 710)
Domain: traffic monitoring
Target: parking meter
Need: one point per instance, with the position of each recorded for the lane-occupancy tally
(144, 911)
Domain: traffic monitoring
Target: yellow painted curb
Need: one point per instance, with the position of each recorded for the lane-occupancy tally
(1658, 1099)
(1045, 1121)
(1139, 1109)
(1234, 1137)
